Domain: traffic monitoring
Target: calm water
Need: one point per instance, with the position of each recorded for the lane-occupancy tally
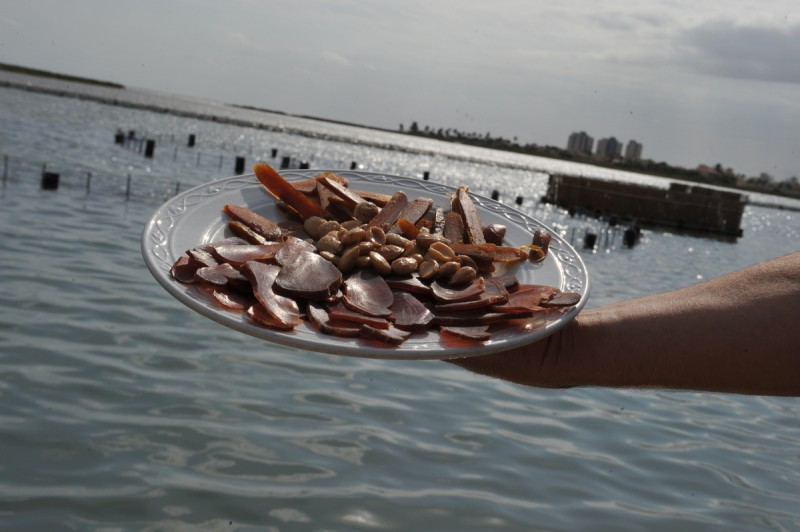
(122, 410)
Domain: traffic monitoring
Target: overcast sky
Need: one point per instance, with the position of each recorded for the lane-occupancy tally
(693, 81)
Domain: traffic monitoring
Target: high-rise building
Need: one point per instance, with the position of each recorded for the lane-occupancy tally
(608, 149)
(633, 151)
(580, 142)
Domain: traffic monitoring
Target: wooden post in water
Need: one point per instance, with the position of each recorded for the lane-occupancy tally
(191, 140)
(128, 188)
(589, 239)
(50, 180)
(5, 169)
(239, 170)
(88, 182)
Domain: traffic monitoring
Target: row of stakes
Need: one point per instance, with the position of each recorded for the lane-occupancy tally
(148, 148)
(50, 181)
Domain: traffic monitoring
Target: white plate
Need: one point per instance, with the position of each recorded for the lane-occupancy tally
(195, 217)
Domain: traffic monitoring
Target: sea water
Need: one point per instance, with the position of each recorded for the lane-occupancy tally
(120, 409)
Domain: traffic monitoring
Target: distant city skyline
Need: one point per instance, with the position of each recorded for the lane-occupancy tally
(608, 148)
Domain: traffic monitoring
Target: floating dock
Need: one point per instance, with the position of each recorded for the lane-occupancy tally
(683, 207)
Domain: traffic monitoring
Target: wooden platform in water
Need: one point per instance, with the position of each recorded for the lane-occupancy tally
(684, 207)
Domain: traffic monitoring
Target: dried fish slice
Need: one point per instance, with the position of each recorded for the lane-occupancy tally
(453, 229)
(237, 255)
(391, 336)
(283, 190)
(310, 277)
(259, 224)
(320, 318)
(463, 204)
(409, 314)
(412, 212)
(477, 333)
(367, 292)
(447, 294)
(283, 310)
(390, 212)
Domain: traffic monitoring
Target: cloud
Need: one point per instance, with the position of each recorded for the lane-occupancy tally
(759, 53)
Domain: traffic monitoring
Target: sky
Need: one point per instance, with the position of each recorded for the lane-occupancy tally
(696, 82)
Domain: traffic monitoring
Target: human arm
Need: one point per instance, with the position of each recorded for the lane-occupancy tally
(739, 333)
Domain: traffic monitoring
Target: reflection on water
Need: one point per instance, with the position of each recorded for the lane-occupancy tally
(124, 410)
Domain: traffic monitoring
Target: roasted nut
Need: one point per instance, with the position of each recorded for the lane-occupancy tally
(365, 211)
(494, 234)
(447, 270)
(418, 258)
(466, 260)
(396, 239)
(379, 263)
(348, 259)
(330, 243)
(443, 249)
(327, 226)
(465, 274)
(362, 261)
(390, 252)
(541, 239)
(311, 225)
(353, 236)
(365, 247)
(428, 269)
(424, 240)
(350, 224)
(330, 257)
(377, 236)
(404, 266)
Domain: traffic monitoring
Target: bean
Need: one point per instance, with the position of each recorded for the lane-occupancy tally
(365, 211)
(327, 226)
(330, 257)
(348, 259)
(424, 240)
(350, 224)
(404, 266)
(390, 252)
(377, 236)
(428, 269)
(444, 249)
(379, 263)
(365, 247)
(463, 275)
(447, 270)
(396, 239)
(330, 243)
(353, 236)
(311, 225)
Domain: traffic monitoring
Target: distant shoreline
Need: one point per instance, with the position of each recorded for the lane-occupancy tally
(65, 92)
(54, 75)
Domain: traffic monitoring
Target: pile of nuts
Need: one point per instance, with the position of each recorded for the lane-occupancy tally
(353, 244)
